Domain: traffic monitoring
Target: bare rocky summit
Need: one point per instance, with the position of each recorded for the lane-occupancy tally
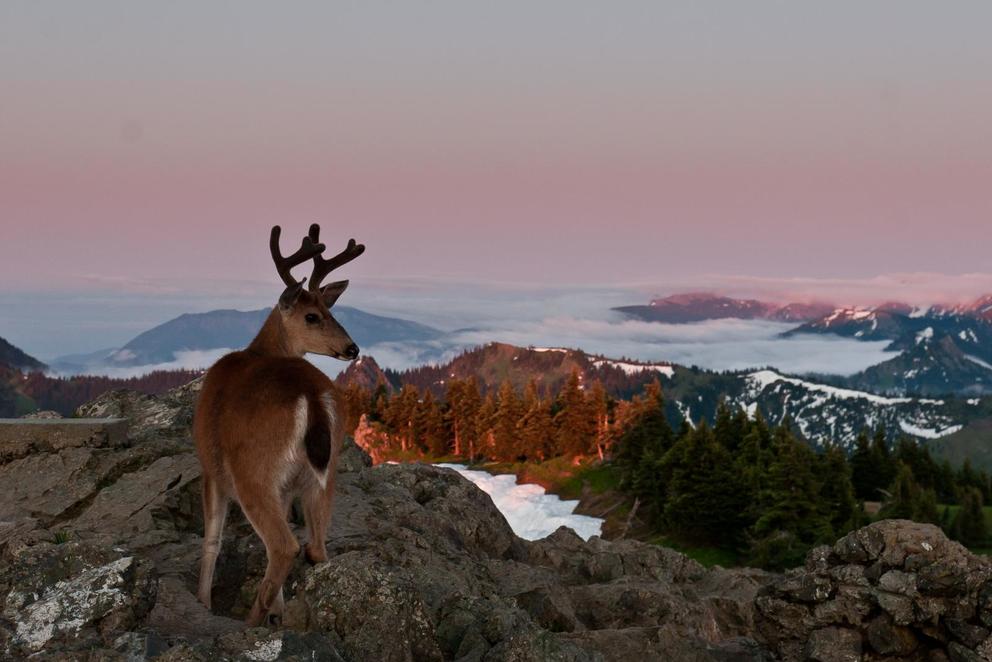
(99, 549)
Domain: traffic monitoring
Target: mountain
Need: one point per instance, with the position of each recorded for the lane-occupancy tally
(494, 363)
(365, 373)
(221, 329)
(12, 357)
(823, 413)
(701, 306)
(938, 363)
(801, 312)
(862, 323)
(942, 349)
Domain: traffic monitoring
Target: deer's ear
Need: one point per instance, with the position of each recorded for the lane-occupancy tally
(330, 293)
(289, 296)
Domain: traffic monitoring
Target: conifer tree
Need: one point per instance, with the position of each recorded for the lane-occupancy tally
(969, 524)
(575, 425)
(400, 414)
(642, 445)
(509, 411)
(599, 407)
(926, 507)
(790, 503)
(730, 426)
(535, 429)
(464, 403)
(904, 495)
(485, 419)
(704, 500)
(883, 464)
(862, 472)
(836, 492)
(430, 427)
(752, 460)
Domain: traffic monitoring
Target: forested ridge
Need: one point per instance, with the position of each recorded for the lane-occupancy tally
(741, 483)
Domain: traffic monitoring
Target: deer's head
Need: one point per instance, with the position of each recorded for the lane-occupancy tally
(306, 312)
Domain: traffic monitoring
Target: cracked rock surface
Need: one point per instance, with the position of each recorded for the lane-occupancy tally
(99, 553)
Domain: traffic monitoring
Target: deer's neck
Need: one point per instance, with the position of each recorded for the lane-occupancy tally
(272, 339)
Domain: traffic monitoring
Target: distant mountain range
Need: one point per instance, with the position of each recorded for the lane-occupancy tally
(823, 413)
(233, 329)
(942, 349)
(702, 306)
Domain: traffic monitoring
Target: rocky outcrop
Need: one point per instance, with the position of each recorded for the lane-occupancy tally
(892, 590)
(99, 548)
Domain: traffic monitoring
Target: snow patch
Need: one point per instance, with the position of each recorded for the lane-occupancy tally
(927, 433)
(925, 334)
(978, 361)
(765, 378)
(637, 368)
(530, 511)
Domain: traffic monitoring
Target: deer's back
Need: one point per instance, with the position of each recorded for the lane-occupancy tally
(252, 404)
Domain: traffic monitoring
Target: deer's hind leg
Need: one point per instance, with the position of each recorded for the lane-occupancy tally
(267, 514)
(215, 506)
(317, 503)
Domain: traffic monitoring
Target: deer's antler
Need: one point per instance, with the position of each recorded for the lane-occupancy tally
(322, 267)
(309, 249)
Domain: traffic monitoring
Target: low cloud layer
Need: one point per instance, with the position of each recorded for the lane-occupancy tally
(716, 344)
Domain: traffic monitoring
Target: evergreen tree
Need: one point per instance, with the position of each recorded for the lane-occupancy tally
(790, 504)
(863, 476)
(575, 424)
(883, 464)
(535, 429)
(926, 508)
(837, 493)
(464, 403)
(599, 407)
(506, 445)
(904, 496)
(642, 445)
(753, 458)
(704, 497)
(730, 427)
(400, 414)
(969, 524)
(485, 420)
(430, 427)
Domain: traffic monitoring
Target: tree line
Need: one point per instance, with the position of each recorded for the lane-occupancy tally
(741, 483)
(65, 394)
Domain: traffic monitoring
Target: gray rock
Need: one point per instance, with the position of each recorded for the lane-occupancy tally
(20, 437)
(89, 598)
(834, 644)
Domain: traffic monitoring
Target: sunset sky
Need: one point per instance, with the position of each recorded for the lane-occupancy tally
(524, 142)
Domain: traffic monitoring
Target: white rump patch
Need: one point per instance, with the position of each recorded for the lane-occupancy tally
(295, 446)
(327, 402)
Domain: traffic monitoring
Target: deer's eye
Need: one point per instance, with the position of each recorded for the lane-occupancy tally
(312, 318)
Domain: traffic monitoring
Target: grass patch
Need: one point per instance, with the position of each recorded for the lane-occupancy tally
(706, 556)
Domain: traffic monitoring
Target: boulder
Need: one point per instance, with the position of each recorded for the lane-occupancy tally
(900, 588)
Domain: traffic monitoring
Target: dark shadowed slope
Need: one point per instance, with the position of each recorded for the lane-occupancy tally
(13, 357)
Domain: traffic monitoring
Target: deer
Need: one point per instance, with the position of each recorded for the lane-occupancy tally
(267, 426)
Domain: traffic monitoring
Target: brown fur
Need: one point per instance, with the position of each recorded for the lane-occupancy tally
(253, 449)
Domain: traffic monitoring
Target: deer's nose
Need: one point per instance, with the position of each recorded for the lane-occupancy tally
(352, 351)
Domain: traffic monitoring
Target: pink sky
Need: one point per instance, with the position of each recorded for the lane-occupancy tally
(593, 144)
